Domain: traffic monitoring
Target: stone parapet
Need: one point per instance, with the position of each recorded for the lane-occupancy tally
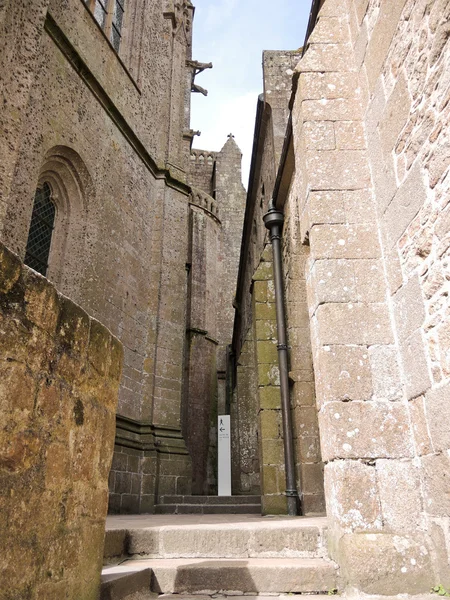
(206, 202)
(60, 373)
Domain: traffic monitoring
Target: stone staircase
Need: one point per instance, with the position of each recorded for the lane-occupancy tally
(186, 505)
(218, 554)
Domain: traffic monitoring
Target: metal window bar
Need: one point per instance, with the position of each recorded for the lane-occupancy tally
(41, 230)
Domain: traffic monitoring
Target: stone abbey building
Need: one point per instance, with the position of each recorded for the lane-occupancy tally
(140, 295)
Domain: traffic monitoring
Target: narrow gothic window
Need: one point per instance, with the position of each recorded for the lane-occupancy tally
(41, 229)
(109, 15)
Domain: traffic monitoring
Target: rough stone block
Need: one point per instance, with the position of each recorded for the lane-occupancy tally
(265, 330)
(272, 452)
(396, 114)
(415, 365)
(270, 424)
(305, 419)
(386, 564)
(273, 504)
(265, 311)
(370, 281)
(303, 393)
(312, 478)
(349, 135)
(331, 110)
(269, 397)
(360, 324)
(437, 405)
(343, 373)
(409, 307)
(439, 534)
(401, 503)
(367, 430)
(266, 352)
(352, 495)
(405, 205)
(436, 474)
(419, 426)
(318, 86)
(387, 381)
(326, 57)
(264, 272)
(270, 480)
(10, 269)
(319, 135)
(269, 374)
(260, 291)
(344, 241)
(326, 207)
(41, 301)
(381, 38)
(329, 30)
(99, 347)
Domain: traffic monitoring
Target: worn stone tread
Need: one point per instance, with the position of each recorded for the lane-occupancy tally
(234, 500)
(187, 509)
(188, 536)
(258, 575)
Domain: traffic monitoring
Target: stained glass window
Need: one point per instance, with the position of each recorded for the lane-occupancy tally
(41, 229)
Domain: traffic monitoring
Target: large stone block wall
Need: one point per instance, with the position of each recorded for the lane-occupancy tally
(371, 193)
(60, 373)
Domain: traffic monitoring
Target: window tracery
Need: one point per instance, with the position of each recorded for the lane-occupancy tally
(109, 15)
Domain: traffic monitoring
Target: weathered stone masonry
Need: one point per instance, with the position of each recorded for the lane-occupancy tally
(60, 373)
(363, 183)
(109, 133)
(371, 191)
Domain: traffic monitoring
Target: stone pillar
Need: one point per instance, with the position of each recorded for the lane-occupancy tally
(244, 415)
(273, 477)
(174, 464)
(21, 29)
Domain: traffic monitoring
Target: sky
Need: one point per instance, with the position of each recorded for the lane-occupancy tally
(232, 34)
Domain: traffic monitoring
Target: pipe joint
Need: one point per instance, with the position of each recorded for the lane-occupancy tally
(273, 219)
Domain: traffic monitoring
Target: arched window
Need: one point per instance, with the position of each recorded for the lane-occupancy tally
(41, 230)
(109, 15)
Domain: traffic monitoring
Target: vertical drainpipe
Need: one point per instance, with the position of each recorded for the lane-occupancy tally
(273, 220)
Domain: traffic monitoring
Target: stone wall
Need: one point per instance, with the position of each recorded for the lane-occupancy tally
(100, 130)
(60, 373)
(255, 319)
(371, 191)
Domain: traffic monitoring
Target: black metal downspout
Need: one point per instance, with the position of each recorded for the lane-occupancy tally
(273, 220)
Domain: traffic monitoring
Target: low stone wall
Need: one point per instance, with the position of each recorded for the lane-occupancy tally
(59, 378)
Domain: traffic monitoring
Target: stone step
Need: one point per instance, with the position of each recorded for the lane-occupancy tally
(208, 509)
(126, 585)
(215, 536)
(210, 500)
(254, 575)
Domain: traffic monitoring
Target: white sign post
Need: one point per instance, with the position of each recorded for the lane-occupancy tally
(224, 455)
